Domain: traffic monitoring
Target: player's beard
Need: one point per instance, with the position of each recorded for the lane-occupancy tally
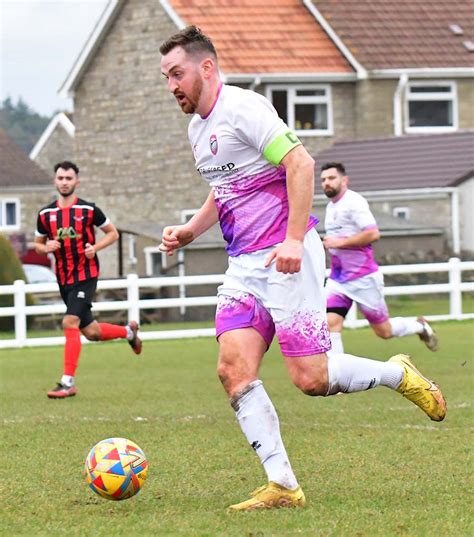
(189, 105)
(66, 193)
(331, 192)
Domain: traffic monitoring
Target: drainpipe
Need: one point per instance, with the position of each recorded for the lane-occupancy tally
(398, 105)
(256, 82)
(455, 221)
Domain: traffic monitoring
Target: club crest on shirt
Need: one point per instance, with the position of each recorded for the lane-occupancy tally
(213, 144)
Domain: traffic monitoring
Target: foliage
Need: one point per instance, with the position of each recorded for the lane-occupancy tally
(21, 123)
(371, 464)
(10, 270)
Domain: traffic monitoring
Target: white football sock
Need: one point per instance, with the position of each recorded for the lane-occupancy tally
(405, 327)
(347, 373)
(67, 380)
(129, 335)
(259, 422)
(337, 347)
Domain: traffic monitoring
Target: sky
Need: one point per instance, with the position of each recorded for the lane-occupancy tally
(39, 42)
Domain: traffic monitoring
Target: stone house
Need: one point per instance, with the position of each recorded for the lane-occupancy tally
(333, 73)
(55, 144)
(24, 189)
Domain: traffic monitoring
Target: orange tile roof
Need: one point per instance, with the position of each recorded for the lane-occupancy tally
(264, 36)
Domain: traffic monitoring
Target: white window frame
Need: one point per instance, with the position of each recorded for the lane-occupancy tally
(398, 211)
(149, 251)
(451, 96)
(292, 99)
(3, 210)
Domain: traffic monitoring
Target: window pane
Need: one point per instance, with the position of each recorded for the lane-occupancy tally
(279, 102)
(311, 117)
(431, 113)
(430, 89)
(311, 92)
(10, 213)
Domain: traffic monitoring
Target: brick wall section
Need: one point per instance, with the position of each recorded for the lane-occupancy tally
(59, 147)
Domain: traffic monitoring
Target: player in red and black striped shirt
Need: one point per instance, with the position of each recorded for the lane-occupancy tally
(66, 227)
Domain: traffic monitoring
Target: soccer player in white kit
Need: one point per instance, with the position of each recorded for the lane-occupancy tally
(355, 276)
(262, 182)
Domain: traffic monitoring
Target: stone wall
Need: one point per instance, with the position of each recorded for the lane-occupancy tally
(131, 137)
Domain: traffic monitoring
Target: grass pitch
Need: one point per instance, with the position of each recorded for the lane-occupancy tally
(370, 463)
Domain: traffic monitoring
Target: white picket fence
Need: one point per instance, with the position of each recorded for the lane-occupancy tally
(133, 304)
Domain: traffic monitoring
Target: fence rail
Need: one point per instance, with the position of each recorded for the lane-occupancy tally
(134, 304)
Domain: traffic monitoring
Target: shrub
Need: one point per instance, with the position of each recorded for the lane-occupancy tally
(10, 270)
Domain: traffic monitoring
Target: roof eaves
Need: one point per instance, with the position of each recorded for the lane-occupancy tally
(61, 119)
(359, 68)
(93, 42)
(464, 177)
(265, 78)
(424, 72)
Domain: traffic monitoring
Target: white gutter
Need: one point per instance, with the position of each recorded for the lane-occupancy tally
(172, 14)
(398, 105)
(360, 70)
(290, 77)
(424, 72)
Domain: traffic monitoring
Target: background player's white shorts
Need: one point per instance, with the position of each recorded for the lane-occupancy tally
(366, 292)
(293, 305)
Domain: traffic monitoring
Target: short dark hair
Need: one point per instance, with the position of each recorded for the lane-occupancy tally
(192, 40)
(338, 165)
(66, 165)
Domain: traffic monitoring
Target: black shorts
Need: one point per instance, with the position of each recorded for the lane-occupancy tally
(78, 299)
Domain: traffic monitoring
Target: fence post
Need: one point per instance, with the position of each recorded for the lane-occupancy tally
(455, 294)
(19, 297)
(133, 297)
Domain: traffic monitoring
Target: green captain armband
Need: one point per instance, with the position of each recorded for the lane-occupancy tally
(280, 146)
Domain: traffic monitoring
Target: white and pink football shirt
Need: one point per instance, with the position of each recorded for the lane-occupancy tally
(345, 217)
(238, 148)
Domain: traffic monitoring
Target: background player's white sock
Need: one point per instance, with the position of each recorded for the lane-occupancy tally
(259, 422)
(337, 347)
(349, 373)
(67, 380)
(405, 327)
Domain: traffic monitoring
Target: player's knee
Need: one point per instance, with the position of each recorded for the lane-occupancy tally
(92, 336)
(384, 333)
(311, 386)
(70, 322)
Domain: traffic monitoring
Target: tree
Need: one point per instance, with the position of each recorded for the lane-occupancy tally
(23, 125)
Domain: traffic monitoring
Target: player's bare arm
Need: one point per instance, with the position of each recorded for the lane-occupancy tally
(175, 237)
(368, 236)
(111, 236)
(299, 167)
(43, 246)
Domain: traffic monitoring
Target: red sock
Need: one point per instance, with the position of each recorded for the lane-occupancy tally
(112, 331)
(72, 350)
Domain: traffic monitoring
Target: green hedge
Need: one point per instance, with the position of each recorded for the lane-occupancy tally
(10, 270)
